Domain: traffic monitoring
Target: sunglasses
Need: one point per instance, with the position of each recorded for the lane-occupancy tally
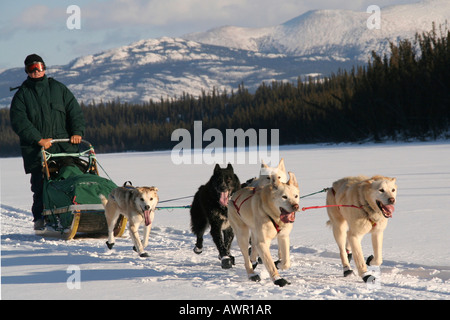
(36, 66)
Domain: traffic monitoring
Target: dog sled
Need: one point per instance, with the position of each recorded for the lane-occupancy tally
(72, 186)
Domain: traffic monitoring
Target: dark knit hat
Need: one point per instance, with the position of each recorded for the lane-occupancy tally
(33, 58)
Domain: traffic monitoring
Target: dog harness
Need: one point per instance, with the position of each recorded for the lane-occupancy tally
(238, 207)
(361, 207)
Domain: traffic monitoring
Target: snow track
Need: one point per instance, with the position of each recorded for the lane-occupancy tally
(416, 252)
(29, 261)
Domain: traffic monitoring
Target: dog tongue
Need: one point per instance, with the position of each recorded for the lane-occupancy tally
(224, 198)
(147, 217)
(287, 217)
(389, 209)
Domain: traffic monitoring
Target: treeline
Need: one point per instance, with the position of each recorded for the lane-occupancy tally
(401, 96)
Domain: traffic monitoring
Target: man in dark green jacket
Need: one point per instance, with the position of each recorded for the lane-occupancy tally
(43, 109)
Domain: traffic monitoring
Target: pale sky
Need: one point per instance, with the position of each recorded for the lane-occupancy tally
(29, 26)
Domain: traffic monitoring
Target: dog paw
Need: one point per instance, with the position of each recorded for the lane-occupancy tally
(109, 245)
(229, 256)
(250, 253)
(348, 272)
(227, 262)
(143, 254)
(277, 263)
(369, 259)
(281, 282)
(198, 250)
(255, 277)
(369, 278)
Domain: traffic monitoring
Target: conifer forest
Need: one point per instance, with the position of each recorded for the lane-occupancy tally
(398, 97)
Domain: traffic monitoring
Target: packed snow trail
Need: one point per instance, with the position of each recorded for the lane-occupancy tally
(416, 252)
(31, 264)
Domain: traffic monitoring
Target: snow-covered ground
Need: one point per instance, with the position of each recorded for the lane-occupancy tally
(416, 243)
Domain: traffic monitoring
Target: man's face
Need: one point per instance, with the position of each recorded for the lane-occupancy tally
(36, 70)
(37, 74)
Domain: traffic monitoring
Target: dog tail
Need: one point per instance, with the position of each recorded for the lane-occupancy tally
(103, 199)
(331, 200)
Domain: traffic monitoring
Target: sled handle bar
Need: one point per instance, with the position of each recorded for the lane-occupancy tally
(92, 161)
(68, 140)
(90, 149)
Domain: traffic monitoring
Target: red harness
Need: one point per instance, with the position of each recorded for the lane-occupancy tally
(238, 208)
(339, 205)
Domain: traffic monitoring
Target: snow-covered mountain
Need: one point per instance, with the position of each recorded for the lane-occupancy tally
(317, 42)
(167, 67)
(336, 33)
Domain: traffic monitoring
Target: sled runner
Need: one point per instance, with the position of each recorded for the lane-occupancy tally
(71, 194)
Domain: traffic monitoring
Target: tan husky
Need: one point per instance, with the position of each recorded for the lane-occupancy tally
(138, 205)
(373, 200)
(267, 212)
(265, 172)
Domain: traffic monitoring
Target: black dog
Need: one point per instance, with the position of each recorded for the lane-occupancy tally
(209, 208)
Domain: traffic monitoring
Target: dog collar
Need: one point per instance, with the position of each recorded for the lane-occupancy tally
(277, 227)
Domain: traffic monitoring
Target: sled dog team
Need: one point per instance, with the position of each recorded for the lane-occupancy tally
(261, 210)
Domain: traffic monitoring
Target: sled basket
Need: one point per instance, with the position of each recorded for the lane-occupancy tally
(72, 187)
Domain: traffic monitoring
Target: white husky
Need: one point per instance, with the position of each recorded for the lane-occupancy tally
(373, 200)
(267, 212)
(266, 172)
(138, 205)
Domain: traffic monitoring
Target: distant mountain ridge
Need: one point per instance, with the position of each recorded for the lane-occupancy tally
(315, 43)
(168, 67)
(338, 33)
